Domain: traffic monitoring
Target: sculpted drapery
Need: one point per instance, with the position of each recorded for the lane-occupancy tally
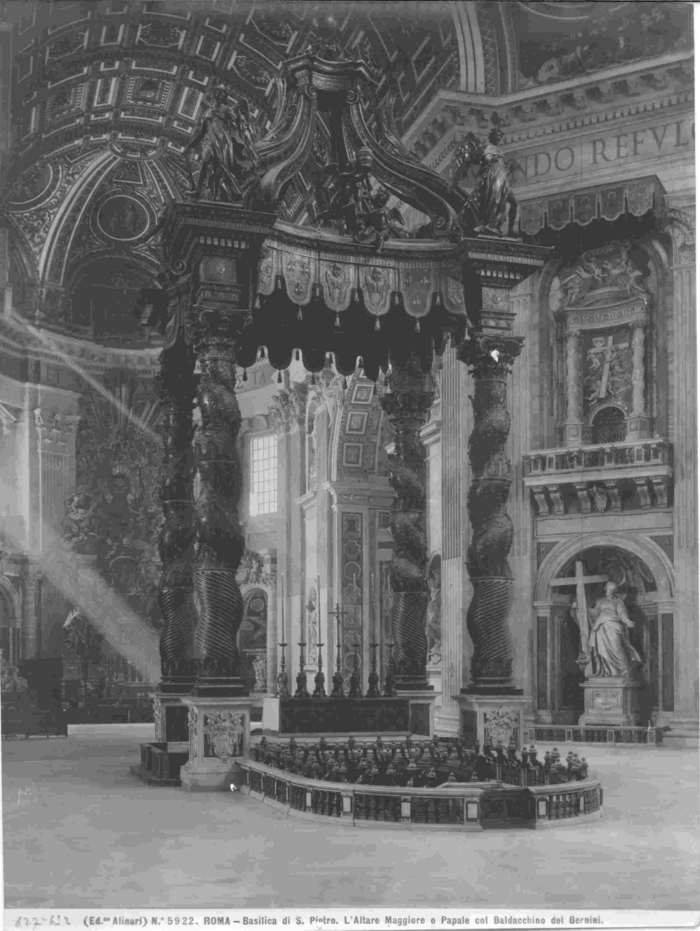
(611, 652)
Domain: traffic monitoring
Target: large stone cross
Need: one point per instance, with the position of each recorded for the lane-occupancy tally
(580, 581)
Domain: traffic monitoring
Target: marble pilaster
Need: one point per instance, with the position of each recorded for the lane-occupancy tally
(685, 506)
(573, 425)
(456, 425)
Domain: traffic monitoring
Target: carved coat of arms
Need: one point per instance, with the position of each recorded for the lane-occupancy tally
(501, 727)
(225, 730)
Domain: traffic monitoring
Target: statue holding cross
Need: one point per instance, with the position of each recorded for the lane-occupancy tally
(605, 645)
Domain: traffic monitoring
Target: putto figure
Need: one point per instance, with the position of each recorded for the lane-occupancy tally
(224, 143)
(492, 198)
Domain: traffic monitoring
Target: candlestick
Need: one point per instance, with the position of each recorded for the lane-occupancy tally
(355, 686)
(373, 679)
(389, 685)
(302, 691)
(282, 678)
(338, 676)
(320, 679)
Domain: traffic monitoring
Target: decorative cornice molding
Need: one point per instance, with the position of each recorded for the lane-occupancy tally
(553, 109)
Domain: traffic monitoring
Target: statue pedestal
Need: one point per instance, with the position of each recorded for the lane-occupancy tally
(613, 700)
(219, 735)
(493, 719)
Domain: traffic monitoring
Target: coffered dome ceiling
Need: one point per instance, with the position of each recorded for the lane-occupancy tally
(106, 96)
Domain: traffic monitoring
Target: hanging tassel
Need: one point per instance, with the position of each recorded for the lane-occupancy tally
(257, 303)
(329, 358)
(279, 377)
(345, 383)
(313, 379)
(245, 375)
(300, 316)
(337, 320)
(395, 298)
(377, 325)
(297, 356)
(417, 327)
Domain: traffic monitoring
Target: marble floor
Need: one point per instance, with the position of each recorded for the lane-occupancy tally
(80, 831)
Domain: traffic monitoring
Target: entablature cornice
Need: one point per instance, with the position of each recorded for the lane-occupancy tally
(546, 108)
(344, 494)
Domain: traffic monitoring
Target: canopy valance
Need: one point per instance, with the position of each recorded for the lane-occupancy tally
(608, 202)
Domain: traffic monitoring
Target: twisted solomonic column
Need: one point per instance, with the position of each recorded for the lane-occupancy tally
(219, 538)
(407, 404)
(490, 358)
(176, 385)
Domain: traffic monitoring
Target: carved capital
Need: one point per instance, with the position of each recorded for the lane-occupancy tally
(55, 431)
(490, 356)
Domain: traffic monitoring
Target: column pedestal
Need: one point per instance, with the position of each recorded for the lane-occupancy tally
(219, 735)
(612, 701)
(421, 711)
(493, 719)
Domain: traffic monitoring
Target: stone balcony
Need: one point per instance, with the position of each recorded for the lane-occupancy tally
(608, 477)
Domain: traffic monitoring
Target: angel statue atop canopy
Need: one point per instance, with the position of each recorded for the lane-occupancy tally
(492, 198)
(223, 140)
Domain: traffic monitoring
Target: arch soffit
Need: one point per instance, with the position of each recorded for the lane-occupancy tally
(7, 589)
(472, 76)
(638, 545)
(89, 180)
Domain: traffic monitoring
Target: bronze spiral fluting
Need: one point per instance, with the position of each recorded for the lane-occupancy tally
(176, 387)
(219, 540)
(492, 528)
(220, 614)
(487, 625)
(408, 631)
(407, 406)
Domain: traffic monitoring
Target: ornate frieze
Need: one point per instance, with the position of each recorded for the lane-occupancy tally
(55, 431)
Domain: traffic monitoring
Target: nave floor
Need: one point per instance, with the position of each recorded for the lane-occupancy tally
(79, 831)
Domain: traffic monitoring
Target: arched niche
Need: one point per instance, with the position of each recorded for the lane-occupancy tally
(252, 638)
(644, 576)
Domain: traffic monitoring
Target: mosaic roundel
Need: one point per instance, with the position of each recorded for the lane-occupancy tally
(33, 183)
(123, 218)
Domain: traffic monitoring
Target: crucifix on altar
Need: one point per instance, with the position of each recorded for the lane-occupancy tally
(579, 608)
